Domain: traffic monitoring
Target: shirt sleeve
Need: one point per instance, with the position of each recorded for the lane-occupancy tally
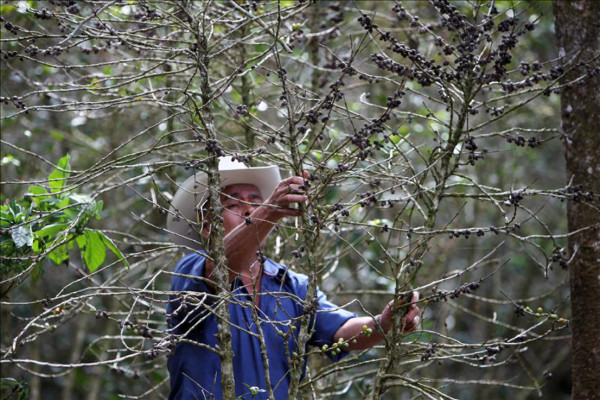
(329, 318)
(191, 265)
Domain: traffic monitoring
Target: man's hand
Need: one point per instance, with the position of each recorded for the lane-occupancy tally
(288, 191)
(355, 328)
(411, 319)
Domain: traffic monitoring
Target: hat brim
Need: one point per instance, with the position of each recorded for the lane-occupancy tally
(182, 224)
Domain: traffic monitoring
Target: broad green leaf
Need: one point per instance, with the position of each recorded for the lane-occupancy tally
(37, 245)
(51, 230)
(18, 390)
(111, 245)
(98, 210)
(58, 177)
(59, 254)
(63, 203)
(85, 209)
(56, 135)
(6, 217)
(39, 191)
(94, 251)
(81, 242)
(81, 198)
(7, 8)
(22, 236)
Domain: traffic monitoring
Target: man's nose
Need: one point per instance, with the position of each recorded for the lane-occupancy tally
(249, 209)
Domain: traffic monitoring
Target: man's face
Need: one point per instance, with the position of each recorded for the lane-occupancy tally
(235, 200)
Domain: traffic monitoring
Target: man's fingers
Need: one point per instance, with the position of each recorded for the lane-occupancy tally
(292, 179)
(412, 313)
(289, 212)
(294, 188)
(411, 319)
(294, 198)
(415, 297)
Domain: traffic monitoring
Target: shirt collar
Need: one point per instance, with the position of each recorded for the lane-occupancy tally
(272, 268)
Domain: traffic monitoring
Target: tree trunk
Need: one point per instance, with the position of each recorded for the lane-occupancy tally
(578, 33)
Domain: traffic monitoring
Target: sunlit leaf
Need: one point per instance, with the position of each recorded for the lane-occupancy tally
(59, 255)
(111, 245)
(51, 230)
(58, 177)
(22, 236)
(39, 191)
(93, 248)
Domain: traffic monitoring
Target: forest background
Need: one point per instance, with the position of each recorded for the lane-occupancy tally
(436, 158)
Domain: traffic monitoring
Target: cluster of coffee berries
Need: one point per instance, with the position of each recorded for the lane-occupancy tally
(298, 253)
(14, 99)
(313, 116)
(41, 14)
(14, 29)
(490, 353)
(368, 198)
(194, 164)
(10, 54)
(471, 146)
(429, 352)
(241, 109)
(577, 194)
(467, 288)
(312, 307)
(212, 147)
(560, 255)
(336, 348)
(513, 199)
(466, 233)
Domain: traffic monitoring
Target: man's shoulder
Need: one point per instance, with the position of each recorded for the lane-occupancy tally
(284, 275)
(187, 263)
(188, 267)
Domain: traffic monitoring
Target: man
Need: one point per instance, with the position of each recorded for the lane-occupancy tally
(276, 292)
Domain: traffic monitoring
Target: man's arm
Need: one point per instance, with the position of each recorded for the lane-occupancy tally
(354, 328)
(243, 242)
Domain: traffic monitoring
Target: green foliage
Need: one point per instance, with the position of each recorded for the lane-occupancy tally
(13, 389)
(48, 224)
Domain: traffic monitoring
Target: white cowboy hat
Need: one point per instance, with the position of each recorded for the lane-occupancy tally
(182, 221)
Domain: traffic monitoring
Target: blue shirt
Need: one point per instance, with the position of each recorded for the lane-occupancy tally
(195, 370)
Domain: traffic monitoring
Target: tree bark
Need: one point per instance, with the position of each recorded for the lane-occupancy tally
(578, 33)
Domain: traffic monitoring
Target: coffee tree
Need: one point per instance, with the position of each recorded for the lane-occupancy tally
(430, 135)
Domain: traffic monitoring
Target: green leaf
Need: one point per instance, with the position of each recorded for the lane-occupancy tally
(51, 230)
(85, 204)
(111, 245)
(94, 249)
(6, 217)
(63, 203)
(22, 236)
(59, 254)
(19, 390)
(39, 191)
(38, 245)
(56, 135)
(7, 8)
(58, 177)
(98, 210)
